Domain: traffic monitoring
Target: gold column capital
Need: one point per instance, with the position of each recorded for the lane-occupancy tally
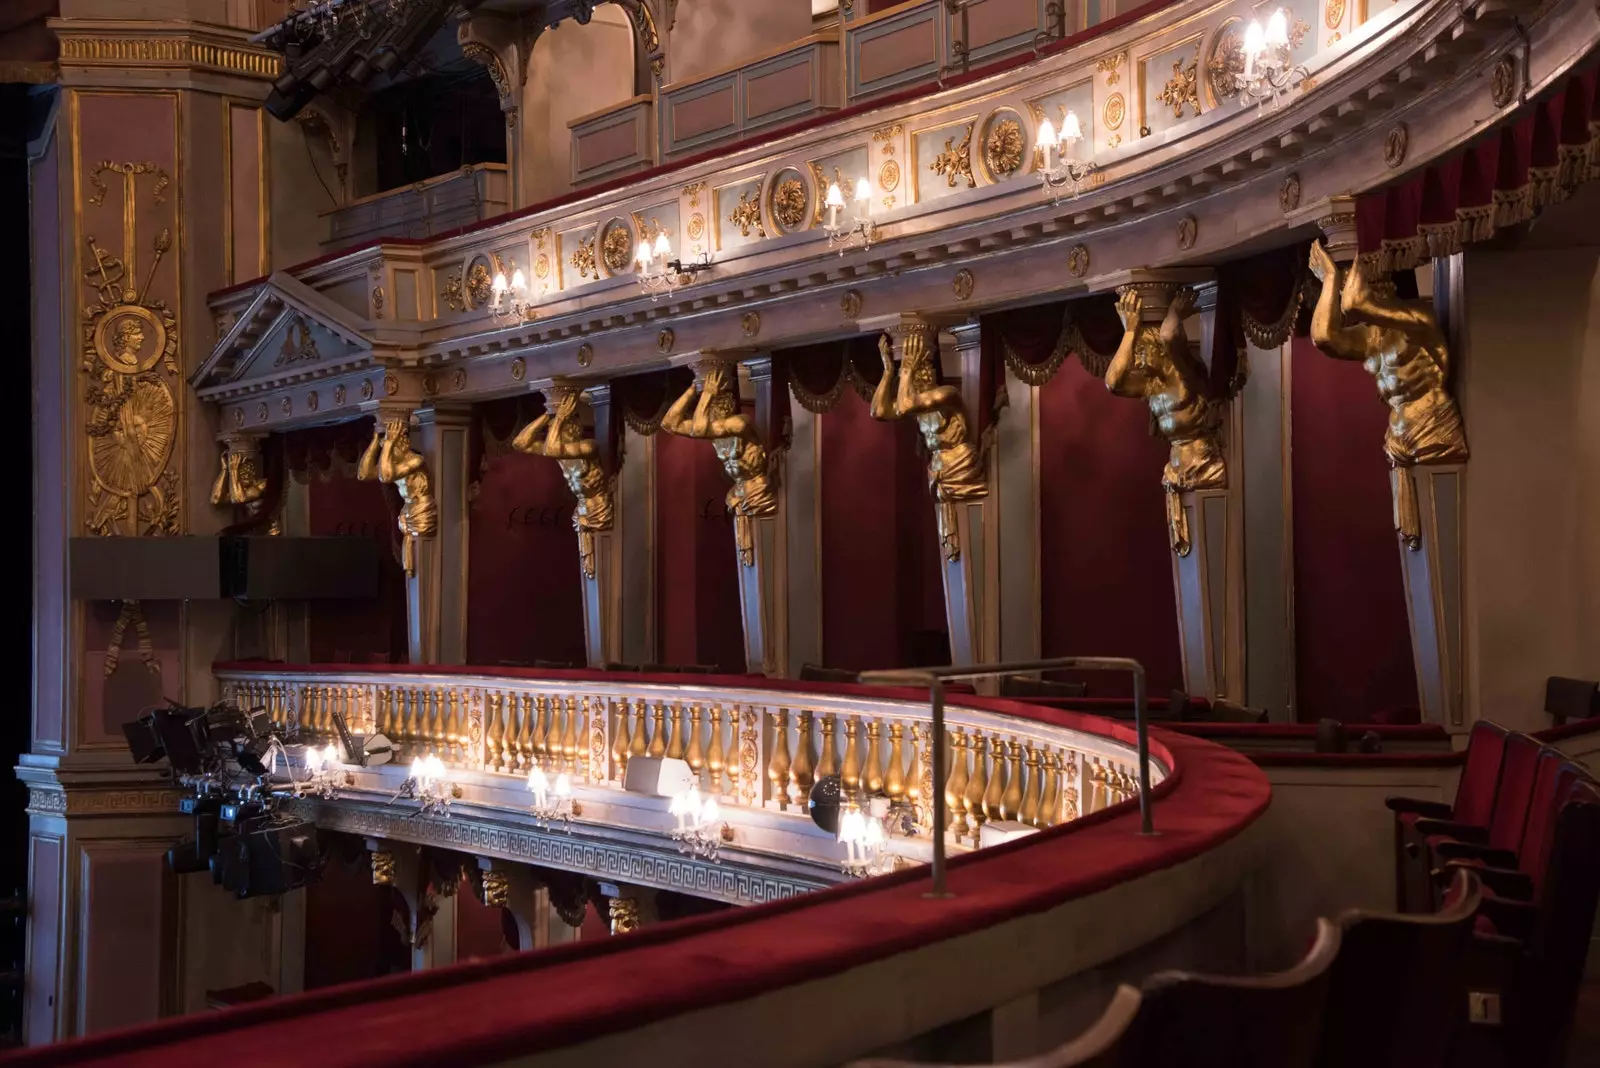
(92, 49)
(1338, 225)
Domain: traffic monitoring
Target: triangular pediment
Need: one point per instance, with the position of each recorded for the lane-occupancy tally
(287, 332)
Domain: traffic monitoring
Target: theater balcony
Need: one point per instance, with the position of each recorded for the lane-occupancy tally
(790, 531)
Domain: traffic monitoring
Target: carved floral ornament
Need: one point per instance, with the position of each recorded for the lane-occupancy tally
(955, 162)
(1002, 149)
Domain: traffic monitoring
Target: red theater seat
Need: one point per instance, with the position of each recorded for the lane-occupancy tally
(1471, 811)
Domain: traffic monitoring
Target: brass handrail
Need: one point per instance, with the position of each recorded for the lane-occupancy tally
(934, 679)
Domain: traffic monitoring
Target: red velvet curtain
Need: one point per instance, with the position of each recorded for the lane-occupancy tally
(1353, 658)
(350, 934)
(340, 505)
(697, 580)
(1533, 158)
(1106, 568)
(480, 928)
(882, 591)
(525, 600)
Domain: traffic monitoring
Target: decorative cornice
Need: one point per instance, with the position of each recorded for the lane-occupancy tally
(48, 801)
(567, 852)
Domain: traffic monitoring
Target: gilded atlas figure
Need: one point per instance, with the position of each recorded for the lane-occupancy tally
(390, 458)
(955, 462)
(1360, 318)
(239, 482)
(559, 436)
(718, 418)
(1157, 364)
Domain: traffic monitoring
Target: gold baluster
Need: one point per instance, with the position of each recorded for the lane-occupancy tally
(919, 791)
(716, 756)
(450, 727)
(778, 759)
(437, 718)
(530, 718)
(1068, 767)
(1050, 798)
(955, 783)
(658, 734)
(402, 725)
(1011, 800)
(828, 763)
(992, 806)
(695, 752)
(734, 761)
(676, 747)
(569, 735)
(977, 785)
(894, 778)
(639, 744)
(1035, 791)
(493, 732)
(1097, 787)
(801, 773)
(872, 773)
(539, 740)
(850, 775)
(508, 735)
(619, 740)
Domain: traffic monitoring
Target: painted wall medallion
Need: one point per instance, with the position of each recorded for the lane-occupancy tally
(963, 284)
(1114, 112)
(339, 394)
(261, 412)
(1002, 149)
(312, 402)
(519, 368)
(1333, 14)
(750, 324)
(1078, 261)
(585, 354)
(666, 339)
(1289, 194)
(789, 202)
(617, 247)
(1503, 81)
(1395, 145)
(850, 304)
(1188, 232)
(889, 176)
(238, 417)
(366, 389)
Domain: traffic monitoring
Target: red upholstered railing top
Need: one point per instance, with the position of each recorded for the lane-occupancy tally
(489, 1011)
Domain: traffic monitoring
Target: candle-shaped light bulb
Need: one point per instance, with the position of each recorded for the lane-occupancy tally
(863, 198)
(1278, 29)
(313, 760)
(663, 246)
(330, 755)
(873, 834)
(518, 281)
(641, 257)
(416, 770)
(499, 287)
(835, 198)
(1047, 140)
(1255, 42)
(712, 812)
(563, 785)
(538, 783)
(1071, 131)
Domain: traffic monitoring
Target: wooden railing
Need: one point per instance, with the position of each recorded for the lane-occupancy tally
(748, 746)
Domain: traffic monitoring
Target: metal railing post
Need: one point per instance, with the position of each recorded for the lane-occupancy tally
(936, 695)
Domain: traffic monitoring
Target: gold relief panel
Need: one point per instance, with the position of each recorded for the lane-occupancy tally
(1078, 99)
(1225, 66)
(1003, 145)
(942, 159)
(1169, 85)
(125, 147)
(664, 218)
(738, 214)
(616, 247)
(583, 260)
(789, 201)
(545, 273)
(479, 284)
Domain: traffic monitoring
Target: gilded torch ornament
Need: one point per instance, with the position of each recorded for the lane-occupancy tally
(1155, 363)
(558, 435)
(955, 463)
(717, 418)
(390, 458)
(1359, 318)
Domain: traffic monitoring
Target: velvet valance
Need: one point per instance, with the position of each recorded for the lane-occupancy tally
(1536, 157)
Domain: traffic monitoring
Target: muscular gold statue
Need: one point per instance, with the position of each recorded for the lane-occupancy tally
(559, 436)
(1156, 364)
(390, 458)
(717, 418)
(955, 463)
(239, 482)
(1402, 346)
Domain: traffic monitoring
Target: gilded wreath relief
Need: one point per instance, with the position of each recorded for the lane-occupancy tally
(558, 435)
(1155, 363)
(718, 418)
(955, 462)
(130, 358)
(390, 458)
(1360, 318)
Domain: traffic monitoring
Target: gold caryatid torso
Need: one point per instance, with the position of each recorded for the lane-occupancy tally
(718, 419)
(390, 458)
(240, 482)
(1155, 363)
(955, 461)
(558, 434)
(1401, 344)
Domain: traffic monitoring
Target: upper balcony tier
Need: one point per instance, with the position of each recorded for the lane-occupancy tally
(1186, 174)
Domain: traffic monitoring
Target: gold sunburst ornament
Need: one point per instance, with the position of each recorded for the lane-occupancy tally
(1002, 151)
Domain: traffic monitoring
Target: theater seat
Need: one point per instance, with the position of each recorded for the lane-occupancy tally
(1027, 686)
(1394, 995)
(818, 673)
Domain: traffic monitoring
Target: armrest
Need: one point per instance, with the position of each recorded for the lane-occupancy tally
(1507, 884)
(1512, 919)
(1436, 810)
(1450, 849)
(1466, 832)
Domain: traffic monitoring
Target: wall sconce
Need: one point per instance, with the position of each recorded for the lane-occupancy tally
(658, 271)
(864, 839)
(1059, 164)
(552, 801)
(1267, 73)
(324, 773)
(428, 786)
(509, 299)
(863, 231)
(701, 829)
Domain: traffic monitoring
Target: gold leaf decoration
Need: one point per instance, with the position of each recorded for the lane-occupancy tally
(1183, 88)
(617, 248)
(955, 162)
(746, 215)
(1002, 152)
(789, 203)
(583, 258)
